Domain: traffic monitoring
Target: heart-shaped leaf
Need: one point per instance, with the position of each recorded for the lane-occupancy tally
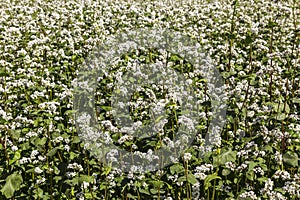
(13, 183)
(291, 158)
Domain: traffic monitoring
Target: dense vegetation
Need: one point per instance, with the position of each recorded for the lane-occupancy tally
(253, 44)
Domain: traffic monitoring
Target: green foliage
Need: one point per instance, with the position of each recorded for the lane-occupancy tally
(12, 183)
(43, 46)
(291, 158)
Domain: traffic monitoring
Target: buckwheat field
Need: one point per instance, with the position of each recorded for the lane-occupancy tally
(168, 127)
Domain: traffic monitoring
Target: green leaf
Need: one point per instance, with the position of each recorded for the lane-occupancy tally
(252, 164)
(268, 148)
(175, 58)
(72, 155)
(235, 180)
(192, 179)
(177, 168)
(250, 175)
(272, 24)
(226, 172)
(153, 191)
(216, 160)
(226, 156)
(264, 167)
(106, 170)
(239, 67)
(40, 142)
(76, 140)
(206, 157)
(86, 178)
(130, 196)
(52, 152)
(281, 116)
(253, 82)
(38, 193)
(296, 100)
(57, 178)
(262, 179)
(144, 191)
(16, 157)
(232, 72)
(181, 179)
(244, 111)
(132, 80)
(287, 108)
(291, 158)
(106, 108)
(208, 179)
(157, 184)
(74, 181)
(226, 75)
(88, 196)
(280, 107)
(13, 183)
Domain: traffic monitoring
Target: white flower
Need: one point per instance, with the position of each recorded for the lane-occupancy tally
(40, 181)
(189, 81)
(249, 194)
(268, 186)
(14, 148)
(38, 170)
(59, 139)
(67, 148)
(250, 113)
(124, 138)
(24, 160)
(71, 174)
(230, 165)
(187, 156)
(200, 175)
(33, 154)
(85, 185)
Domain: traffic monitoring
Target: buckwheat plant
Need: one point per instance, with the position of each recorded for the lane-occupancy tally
(138, 123)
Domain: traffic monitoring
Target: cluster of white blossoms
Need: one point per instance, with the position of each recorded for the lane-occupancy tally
(253, 44)
(201, 171)
(139, 80)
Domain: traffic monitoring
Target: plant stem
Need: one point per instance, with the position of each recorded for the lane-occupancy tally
(214, 190)
(187, 182)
